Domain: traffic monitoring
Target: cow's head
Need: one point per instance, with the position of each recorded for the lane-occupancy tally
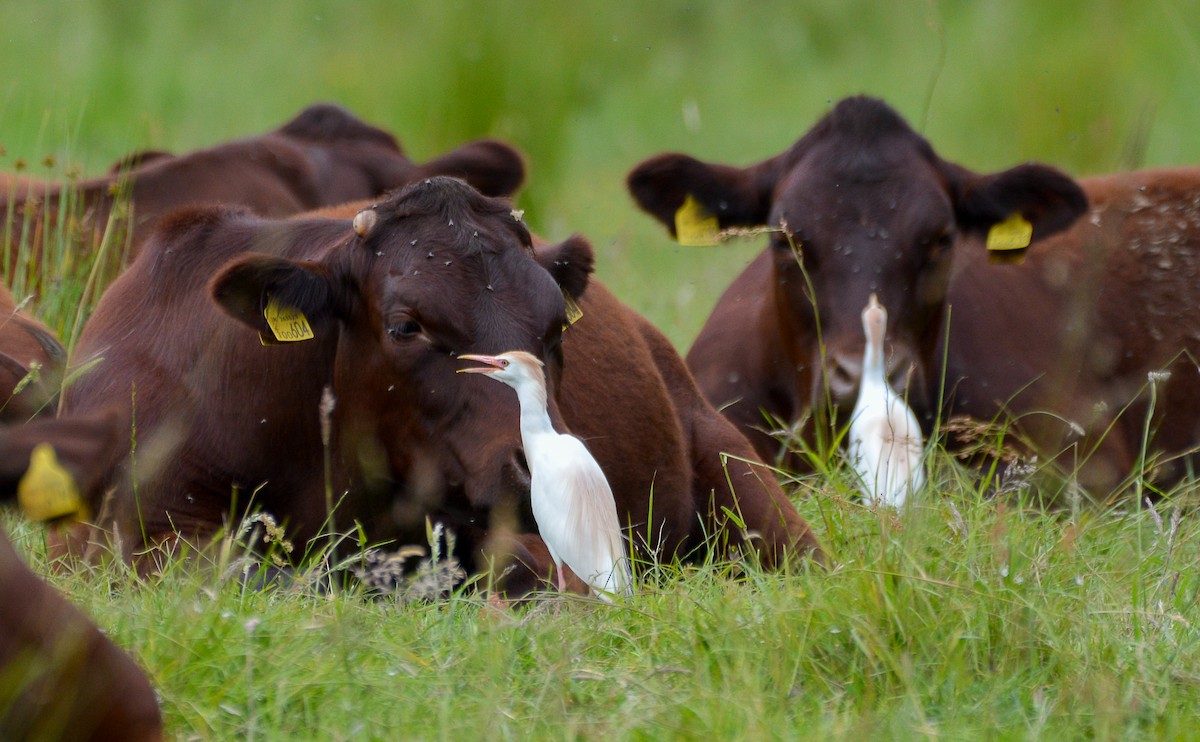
(435, 271)
(362, 161)
(862, 205)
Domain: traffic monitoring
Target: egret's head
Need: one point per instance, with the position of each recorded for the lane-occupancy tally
(515, 368)
(874, 319)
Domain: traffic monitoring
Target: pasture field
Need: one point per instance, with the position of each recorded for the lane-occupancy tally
(962, 617)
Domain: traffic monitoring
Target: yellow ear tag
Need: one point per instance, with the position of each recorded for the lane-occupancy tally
(1014, 233)
(47, 491)
(695, 227)
(574, 313)
(288, 324)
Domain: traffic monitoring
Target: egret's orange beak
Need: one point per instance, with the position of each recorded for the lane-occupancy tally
(493, 364)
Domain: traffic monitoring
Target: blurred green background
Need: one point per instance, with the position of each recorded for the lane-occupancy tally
(587, 90)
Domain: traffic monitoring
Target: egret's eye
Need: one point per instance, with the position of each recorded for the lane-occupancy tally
(404, 330)
(504, 363)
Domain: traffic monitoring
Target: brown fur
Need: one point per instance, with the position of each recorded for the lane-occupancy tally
(63, 679)
(628, 395)
(1068, 337)
(24, 341)
(444, 271)
(323, 156)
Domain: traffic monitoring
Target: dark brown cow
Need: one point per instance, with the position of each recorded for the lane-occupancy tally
(439, 270)
(26, 345)
(62, 678)
(1066, 342)
(324, 156)
(628, 394)
(862, 205)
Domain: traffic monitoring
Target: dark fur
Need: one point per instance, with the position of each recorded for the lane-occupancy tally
(872, 209)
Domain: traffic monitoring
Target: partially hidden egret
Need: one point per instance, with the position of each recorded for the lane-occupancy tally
(885, 440)
(571, 499)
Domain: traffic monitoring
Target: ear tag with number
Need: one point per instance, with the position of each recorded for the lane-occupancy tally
(47, 491)
(695, 227)
(574, 313)
(288, 324)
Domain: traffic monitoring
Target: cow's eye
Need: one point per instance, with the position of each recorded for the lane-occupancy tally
(404, 330)
(937, 246)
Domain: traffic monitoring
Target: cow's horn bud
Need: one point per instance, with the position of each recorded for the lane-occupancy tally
(364, 221)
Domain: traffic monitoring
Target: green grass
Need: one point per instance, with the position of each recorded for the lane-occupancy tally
(589, 92)
(962, 617)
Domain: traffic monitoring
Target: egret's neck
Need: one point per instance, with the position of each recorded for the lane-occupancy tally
(873, 353)
(535, 419)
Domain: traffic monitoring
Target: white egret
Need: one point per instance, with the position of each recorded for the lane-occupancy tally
(885, 440)
(571, 499)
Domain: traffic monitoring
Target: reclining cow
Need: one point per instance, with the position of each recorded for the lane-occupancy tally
(63, 678)
(324, 156)
(432, 272)
(1060, 346)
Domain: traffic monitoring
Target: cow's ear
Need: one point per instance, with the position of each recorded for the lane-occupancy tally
(245, 287)
(1045, 197)
(569, 262)
(492, 168)
(736, 197)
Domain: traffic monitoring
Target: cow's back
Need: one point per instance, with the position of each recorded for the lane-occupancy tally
(199, 394)
(609, 373)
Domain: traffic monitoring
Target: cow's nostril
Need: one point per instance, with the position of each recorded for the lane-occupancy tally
(521, 463)
(843, 377)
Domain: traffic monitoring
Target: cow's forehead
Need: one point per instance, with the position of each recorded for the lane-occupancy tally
(899, 195)
(472, 287)
(449, 209)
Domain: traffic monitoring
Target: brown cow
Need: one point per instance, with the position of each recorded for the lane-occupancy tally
(1066, 341)
(862, 205)
(437, 270)
(31, 363)
(323, 156)
(62, 678)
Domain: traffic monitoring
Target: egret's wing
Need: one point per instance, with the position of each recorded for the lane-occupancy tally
(885, 450)
(592, 518)
(905, 466)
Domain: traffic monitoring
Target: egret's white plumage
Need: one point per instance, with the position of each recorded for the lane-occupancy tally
(885, 439)
(571, 499)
